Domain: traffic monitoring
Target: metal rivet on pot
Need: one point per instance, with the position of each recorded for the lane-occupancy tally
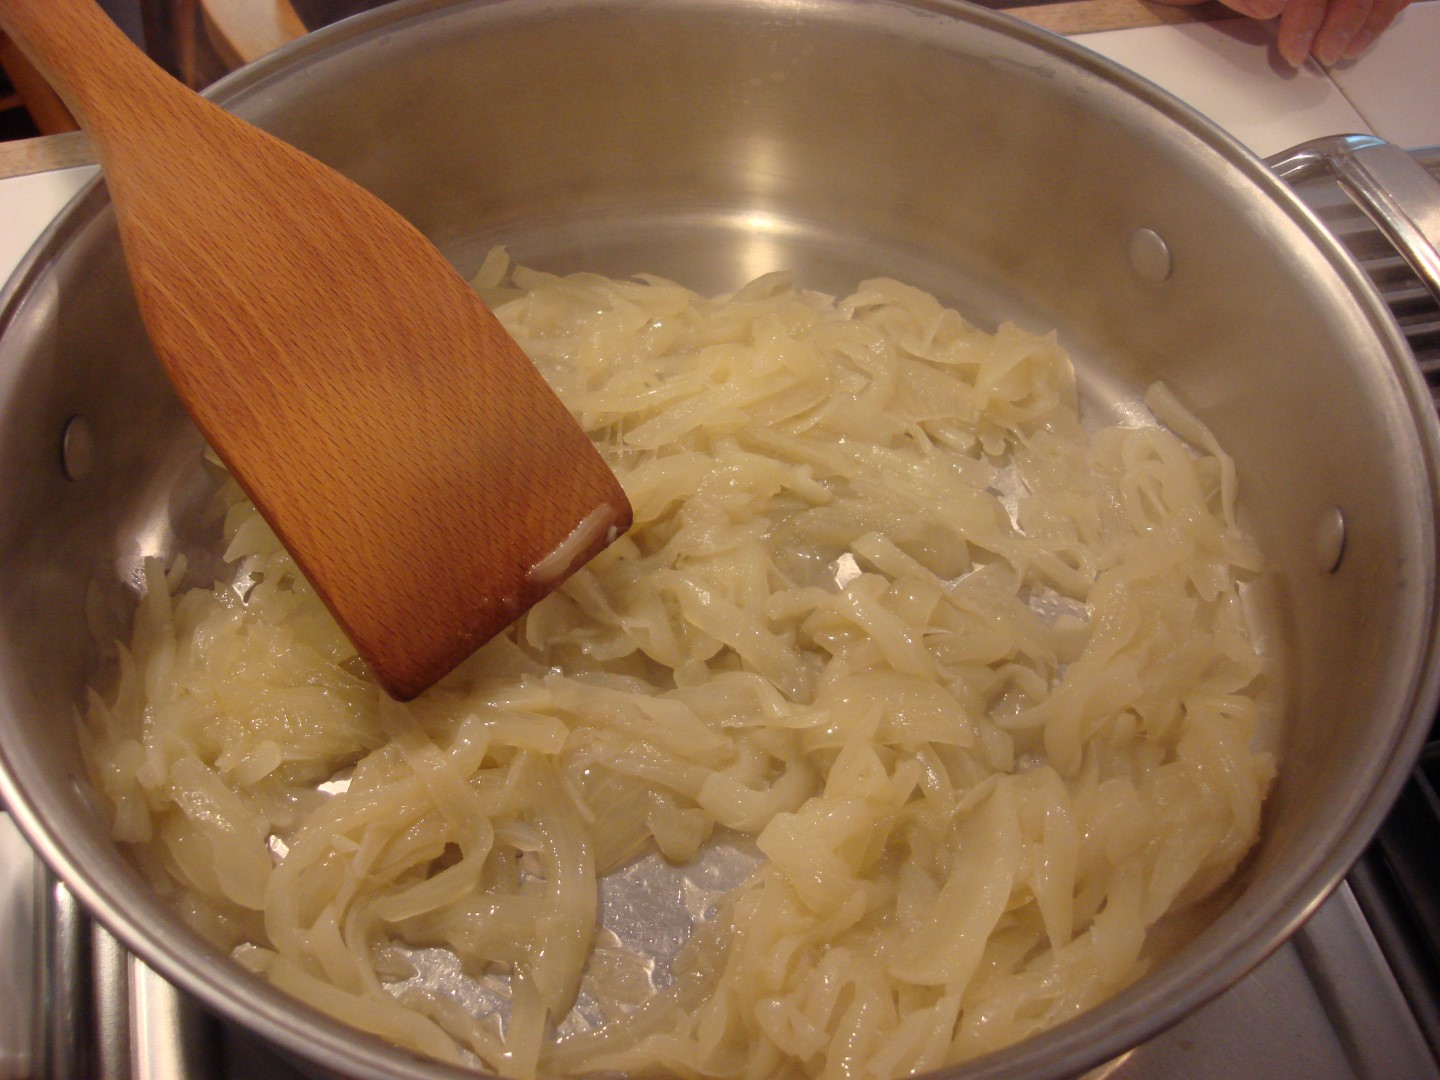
(77, 448)
(1329, 540)
(1149, 256)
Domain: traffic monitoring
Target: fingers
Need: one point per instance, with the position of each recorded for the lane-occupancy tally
(1300, 22)
(1343, 21)
(1330, 30)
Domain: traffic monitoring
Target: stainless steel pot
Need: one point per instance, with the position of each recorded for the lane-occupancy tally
(1010, 172)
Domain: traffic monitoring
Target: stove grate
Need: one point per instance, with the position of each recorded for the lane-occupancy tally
(1416, 310)
(1397, 881)
(1397, 884)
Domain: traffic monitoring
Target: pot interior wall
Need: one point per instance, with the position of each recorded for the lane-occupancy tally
(711, 142)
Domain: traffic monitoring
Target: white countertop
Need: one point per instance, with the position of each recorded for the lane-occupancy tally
(1227, 71)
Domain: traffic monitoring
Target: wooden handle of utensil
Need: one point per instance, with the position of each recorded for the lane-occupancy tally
(400, 443)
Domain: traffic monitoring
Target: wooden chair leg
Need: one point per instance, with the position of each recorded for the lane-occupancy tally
(235, 31)
(42, 103)
(244, 30)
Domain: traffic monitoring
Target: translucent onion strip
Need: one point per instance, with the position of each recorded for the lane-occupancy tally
(972, 684)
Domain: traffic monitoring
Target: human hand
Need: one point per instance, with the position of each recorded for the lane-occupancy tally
(1329, 30)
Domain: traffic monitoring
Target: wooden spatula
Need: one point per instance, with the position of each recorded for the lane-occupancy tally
(407, 453)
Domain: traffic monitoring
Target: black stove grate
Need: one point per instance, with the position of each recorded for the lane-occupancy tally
(1415, 309)
(1397, 884)
(1397, 880)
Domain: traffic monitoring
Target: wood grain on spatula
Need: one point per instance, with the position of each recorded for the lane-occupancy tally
(425, 478)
